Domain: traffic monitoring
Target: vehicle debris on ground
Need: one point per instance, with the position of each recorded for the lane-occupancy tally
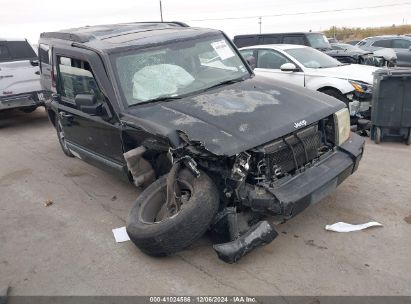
(346, 227)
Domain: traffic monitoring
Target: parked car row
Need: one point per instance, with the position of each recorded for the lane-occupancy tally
(321, 43)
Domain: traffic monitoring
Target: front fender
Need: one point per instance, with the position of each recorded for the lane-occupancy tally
(318, 82)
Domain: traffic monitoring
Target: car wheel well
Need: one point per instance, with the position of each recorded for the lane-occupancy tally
(329, 89)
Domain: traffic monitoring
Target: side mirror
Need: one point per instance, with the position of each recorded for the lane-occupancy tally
(289, 67)
(251, 61)
(409, 48)
(87, 103)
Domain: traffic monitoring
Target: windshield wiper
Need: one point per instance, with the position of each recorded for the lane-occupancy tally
(231, 81)
(160, 98)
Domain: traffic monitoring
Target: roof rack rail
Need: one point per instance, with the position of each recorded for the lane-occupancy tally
(76, 34)
(68, 36)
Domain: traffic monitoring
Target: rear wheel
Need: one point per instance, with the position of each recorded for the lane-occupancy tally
(62, 138)
(159, 231)
(408, 141)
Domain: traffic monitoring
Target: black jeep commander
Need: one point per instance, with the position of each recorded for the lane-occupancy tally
(177, 109)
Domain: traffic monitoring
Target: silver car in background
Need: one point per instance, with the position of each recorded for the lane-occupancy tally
(19, 76)
(400, 44)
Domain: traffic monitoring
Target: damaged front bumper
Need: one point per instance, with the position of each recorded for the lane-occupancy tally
(287, 197)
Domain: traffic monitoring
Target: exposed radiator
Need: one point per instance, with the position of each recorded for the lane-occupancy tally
(293, 151)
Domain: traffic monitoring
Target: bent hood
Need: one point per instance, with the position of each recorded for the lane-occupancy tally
(237, 117)
(357, 72)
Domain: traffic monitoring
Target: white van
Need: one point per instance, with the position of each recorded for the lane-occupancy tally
(19, 76)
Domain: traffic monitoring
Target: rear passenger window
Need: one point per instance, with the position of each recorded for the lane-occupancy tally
(271, 40)
(44, 53)
(294, 40)
(44, 56)
(76, 78)
(4, 53)
(401, 44)
(245, 41)
(17, 50)
(383, 43)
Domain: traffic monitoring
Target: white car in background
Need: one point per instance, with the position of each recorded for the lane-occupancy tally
(19, 76)
(307, 67)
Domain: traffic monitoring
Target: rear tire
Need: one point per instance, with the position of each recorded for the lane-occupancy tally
(158, 234)
(408, 141)
(62, 139)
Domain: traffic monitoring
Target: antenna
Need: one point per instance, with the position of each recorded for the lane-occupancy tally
(259, 22)
(161, 11)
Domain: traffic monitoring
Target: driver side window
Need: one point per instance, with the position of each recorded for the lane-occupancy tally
(401, 44)
(269, 59)
(76, 78)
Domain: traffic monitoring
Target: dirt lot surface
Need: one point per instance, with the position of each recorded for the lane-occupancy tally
(68, 248)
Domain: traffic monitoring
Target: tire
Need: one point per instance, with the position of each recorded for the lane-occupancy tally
(61, 138)
(29, 109)
(377, 138)
(408, 141)
(168, 235)
(336, 94)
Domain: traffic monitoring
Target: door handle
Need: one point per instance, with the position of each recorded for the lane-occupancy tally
(66, 115)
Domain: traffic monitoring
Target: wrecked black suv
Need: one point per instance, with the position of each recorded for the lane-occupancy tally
(177, 110)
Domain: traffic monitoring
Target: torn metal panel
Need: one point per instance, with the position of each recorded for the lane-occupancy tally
(260, 234)
(238, 117)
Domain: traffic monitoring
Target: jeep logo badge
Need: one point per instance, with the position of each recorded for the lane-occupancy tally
(300, 124)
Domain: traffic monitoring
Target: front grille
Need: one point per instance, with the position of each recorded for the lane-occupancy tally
(292, 152)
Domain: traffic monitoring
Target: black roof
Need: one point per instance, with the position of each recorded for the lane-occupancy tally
(113, 36)
(87, 33)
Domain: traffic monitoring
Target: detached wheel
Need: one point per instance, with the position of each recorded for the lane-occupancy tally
(62, 139)
(377, 138)
(158, 231)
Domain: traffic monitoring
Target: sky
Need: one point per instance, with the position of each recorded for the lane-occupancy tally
(28, 18)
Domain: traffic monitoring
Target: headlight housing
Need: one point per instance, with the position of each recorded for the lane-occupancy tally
(361, 87)
(342, 126)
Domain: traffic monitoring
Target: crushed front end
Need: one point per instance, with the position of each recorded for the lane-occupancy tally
(280, 178)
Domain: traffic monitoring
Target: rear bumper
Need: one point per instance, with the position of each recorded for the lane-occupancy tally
(290, 197)
(22, 100)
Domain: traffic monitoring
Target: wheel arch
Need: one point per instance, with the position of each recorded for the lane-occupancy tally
(326, 88)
